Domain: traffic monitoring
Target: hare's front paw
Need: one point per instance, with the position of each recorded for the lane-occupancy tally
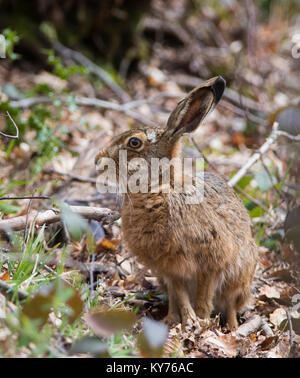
(203, 312)
(191, 321)
(232, 322)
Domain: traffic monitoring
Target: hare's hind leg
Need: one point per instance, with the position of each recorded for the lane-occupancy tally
(235, 303)
(205, 293)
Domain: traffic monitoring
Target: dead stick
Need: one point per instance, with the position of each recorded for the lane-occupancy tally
(252, 325)
(290, 328)
(253, 159)
(53, 216)
(236, 187)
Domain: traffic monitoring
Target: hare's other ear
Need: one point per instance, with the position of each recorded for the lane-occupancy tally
(189, 112)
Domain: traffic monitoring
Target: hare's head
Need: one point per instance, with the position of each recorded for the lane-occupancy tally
(157, 142)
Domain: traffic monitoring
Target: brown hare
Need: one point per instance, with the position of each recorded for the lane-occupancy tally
(203, 253)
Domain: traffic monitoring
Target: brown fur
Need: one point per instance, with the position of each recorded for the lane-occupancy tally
(204, 253)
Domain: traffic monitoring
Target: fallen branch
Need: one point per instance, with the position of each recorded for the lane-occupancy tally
(53, 216)
(85, 268)
(250, 326)
(123, 108)
(9, 291)
(94, 68)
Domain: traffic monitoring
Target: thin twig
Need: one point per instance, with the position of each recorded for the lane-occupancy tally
(92, 273)
(16, 127)
(253, 159)
(71, 175)
(229, 94)
(242, 112)
(26, 225)
(250, 198)
(25, 197)
(236, 187)
(95, 198)
(50, 270)
(290, 328)
(295, 138)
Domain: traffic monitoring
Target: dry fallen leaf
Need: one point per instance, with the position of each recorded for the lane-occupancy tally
(286, 295)
(107, 244)
(282, 274)
(269, 343)
(173, 347)
(268, 292)
(222, 345)
(5, 276)
(277, 316)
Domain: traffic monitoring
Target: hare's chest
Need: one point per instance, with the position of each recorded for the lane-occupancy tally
(149, 233)
(145, 228)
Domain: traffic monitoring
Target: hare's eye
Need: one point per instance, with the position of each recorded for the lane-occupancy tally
(134, 142)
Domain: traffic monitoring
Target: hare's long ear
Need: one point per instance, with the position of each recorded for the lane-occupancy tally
(189, 112)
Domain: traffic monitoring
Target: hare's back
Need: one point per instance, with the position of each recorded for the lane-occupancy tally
(222, 200)
(218, 226)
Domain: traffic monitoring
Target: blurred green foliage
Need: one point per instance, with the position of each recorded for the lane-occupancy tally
(11, 39)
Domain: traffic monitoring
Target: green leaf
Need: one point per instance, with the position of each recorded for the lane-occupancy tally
(7, 208)
(263, 181)
(244, 181)
(69, 298)
(106, 323)
(57, 296)
(270, 243)
(152, 339)
(91, 345)
(12, 92)
(256, 212)
(76, 304)
(39, 306)
(75, 224)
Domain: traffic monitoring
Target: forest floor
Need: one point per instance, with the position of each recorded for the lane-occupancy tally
(54, 158)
